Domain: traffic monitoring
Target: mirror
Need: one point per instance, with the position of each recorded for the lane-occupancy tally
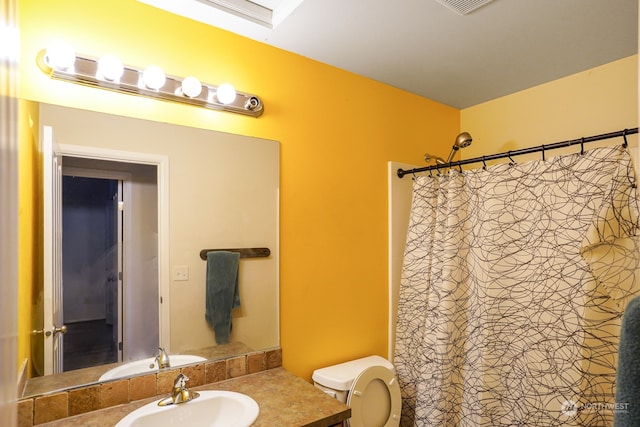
(211, 191)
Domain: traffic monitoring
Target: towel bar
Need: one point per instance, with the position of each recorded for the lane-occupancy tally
(244, 252)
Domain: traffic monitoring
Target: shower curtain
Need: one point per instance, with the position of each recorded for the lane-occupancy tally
(514, 281)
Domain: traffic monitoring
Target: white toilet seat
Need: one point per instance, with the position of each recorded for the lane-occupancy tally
(379, 384)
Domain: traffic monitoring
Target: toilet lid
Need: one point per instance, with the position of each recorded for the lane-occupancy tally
(375, 399)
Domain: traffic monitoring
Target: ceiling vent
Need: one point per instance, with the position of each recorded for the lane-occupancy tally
(463, 7)
(255, 19)
(245, 9)
(268, 13)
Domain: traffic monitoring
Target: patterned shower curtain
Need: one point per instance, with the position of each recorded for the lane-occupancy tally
(514, 282)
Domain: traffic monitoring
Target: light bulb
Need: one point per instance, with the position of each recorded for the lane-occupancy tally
(60, 55)
(225, 93)
(110, 68)
(153, 77)
(191, 87)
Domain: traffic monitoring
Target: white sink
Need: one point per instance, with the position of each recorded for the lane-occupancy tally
(149, 365)
(214, 408)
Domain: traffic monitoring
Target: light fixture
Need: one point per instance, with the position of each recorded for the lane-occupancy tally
(226, 93)
(60, 56)
(153, 77)
(110, 68)
(191, 87)
(60, 61)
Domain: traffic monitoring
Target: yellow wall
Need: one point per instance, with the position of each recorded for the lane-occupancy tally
(28, 273)
(597, 101)
(337, 132)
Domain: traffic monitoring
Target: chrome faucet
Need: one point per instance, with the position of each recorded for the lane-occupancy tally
(163, 359)
(180, 392)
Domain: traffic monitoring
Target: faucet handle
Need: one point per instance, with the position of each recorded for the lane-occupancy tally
(163, 359)
(180, 393)
(181, 381)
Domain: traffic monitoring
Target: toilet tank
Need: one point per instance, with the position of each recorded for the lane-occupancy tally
(336, 380)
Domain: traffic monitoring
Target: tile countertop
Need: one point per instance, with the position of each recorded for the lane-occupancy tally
(284, 400)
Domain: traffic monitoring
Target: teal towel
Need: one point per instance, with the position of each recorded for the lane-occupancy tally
(627, 411)
(222, 293)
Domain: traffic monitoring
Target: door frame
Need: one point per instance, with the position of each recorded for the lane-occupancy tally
(162, 167)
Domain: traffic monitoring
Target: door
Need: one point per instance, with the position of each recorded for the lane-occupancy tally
(137, 275)
(53, 329)
(92, 209)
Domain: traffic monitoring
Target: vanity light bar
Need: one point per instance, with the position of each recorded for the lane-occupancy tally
(131, 80)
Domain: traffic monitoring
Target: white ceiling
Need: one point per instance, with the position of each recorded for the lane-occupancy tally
(425, 48)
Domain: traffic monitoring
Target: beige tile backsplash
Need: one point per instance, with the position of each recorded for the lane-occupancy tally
(55, 406)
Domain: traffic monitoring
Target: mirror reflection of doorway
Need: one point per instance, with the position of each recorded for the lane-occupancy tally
(110, 283)
(91, 265)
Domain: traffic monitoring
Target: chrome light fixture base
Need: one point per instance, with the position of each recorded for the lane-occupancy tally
(85, 71)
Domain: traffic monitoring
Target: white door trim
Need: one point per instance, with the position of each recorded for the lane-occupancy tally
(52, 250)
(162, 164)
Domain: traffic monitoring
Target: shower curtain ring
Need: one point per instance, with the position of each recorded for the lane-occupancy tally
(511, 162)
(625, 144)
(484, 164)
(543, 159)
(582, 146)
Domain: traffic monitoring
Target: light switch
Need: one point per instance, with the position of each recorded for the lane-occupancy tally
(180, 272)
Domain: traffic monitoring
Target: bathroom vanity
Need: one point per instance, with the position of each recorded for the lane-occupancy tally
(284, 400)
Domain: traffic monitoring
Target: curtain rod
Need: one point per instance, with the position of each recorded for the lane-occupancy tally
(543, 148)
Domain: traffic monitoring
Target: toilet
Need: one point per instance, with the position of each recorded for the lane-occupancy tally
(368, 386)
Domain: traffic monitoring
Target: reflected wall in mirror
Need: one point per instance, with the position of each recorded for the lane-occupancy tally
(222, 192)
